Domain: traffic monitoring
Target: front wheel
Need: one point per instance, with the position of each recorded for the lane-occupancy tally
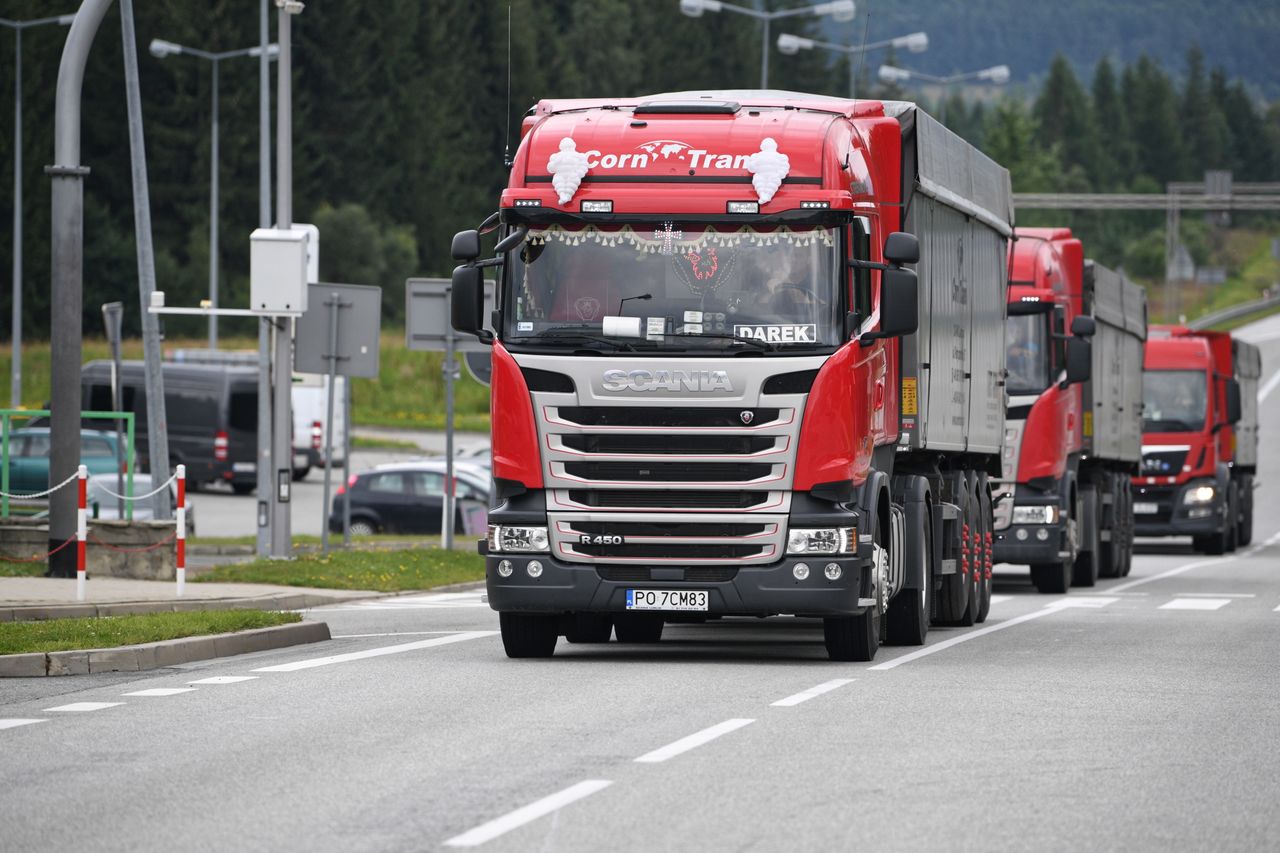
(638, 627)
(242, 488)
(529, 635)
(588, 627)
(360, 527)
(852, 638)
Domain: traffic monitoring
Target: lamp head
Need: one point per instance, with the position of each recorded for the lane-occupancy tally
(161, 48)
(998, 74)
(695, 8)
(839, 10)
(914, 42)
(792, 44)
(892, 74)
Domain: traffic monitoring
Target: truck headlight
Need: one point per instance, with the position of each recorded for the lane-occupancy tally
(1199, 495)
(528, 540)
(1045, 514)
(822, 540)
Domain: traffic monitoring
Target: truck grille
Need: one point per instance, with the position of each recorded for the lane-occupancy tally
(1163, 463)
(668, 472)
(650, 499)
(640, 528)
(673, 551)
(1162, 497)
(667, 445)
(643, 574)
(646, 417)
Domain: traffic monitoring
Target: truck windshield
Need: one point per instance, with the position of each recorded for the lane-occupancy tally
(680, 286)
(1173, 400)
(1028, 357)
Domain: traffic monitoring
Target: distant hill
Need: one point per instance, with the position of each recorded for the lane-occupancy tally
(1243, 36)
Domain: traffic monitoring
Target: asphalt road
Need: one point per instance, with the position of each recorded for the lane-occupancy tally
(1142, 715)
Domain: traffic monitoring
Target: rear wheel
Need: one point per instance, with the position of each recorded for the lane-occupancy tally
(1127, 565)
(588, 627)
(301, 473)
(1084, 572)
(242, 488)
(957, 588)
(361, 527)
(986, 523)
(529, 635)
(638, 627)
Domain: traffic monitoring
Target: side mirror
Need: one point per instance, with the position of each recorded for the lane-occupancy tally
(902, 248)
(1235, 409)
(466, 246)
(1083, 326)
(1079, 360)
(899, 307)
(466, 301)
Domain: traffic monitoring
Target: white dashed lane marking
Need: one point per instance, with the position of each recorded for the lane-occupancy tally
(1196, 604)
(806, 695)
(162, 691)
(429, 601)
(13, 723)
(80, 707)
(693, 741)
(311, 663)
(224, 679)
(527, 814)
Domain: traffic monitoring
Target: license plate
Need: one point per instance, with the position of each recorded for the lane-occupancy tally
(243, 467)
(1145, 508)
(667, 599)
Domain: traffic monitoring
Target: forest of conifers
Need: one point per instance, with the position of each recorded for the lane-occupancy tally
(401, 119)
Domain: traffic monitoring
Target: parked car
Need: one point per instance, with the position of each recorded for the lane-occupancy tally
(29, 457)
(408, 497)
(103, 505)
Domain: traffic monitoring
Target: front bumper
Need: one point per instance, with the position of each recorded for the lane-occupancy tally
(1021, 544)
(1173, 517)
(744, 591)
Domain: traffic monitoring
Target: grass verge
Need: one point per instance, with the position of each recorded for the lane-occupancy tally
(384, 539)
(380, 570)
(361, 442)
(1232, 325)
(104, 632)
(10, 569)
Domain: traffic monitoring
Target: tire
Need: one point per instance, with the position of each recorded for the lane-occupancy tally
(1233, 517)
(588, 627)
(857, 638)
(243, 488)
(529, 635)
(907, 619)
(638, 627)
(1245, 531)
(1084, 572)
(1127, 564)
(986, 524)
(953, 599)
(301, 473)
(362, 527)
(1111, 554)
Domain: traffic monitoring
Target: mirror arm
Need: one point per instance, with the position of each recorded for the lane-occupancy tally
(870, 265)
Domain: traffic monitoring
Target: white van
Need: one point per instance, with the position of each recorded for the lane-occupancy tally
(310, 408)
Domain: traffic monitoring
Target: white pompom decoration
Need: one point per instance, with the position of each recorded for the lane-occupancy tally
(567, 168)
(768, 167)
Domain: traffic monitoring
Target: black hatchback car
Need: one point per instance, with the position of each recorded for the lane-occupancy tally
(408, 497)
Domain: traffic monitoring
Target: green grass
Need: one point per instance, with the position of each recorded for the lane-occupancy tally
(311, 539)
(409, 390)
(10, 569)
(380, 570)
(60, 635)
(1231, 325)
(360, 442)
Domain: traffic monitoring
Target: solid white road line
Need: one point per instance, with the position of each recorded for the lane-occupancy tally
(390, 634)
(806, 695)
(378, 652)
(1000, 599)
(693, 741)
(224, 679)
(1215, 595)
(15, 722)
(1196, 565)
(1196, 604)
(161, 691)
(1265, 390)
(527, 814)
(1047, 610)
(1277, 610)
(76, 707)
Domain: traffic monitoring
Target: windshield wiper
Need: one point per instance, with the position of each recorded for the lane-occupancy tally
(764, 345)
(570, 332)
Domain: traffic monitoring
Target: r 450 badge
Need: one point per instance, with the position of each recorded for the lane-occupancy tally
(586, 539)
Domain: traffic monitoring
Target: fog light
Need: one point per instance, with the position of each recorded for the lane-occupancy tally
(1021, 534)
(1042, 535)
(534, 568)
(801, 571)
(1202, 512)
(833, 571)
(504, 568)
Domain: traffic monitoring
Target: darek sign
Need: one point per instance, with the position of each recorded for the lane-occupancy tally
(799, 333)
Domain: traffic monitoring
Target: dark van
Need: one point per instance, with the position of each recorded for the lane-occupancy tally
(212, 412)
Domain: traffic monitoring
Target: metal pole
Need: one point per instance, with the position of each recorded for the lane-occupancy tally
(335, 305)
(346, 460)
(213, 214)
(112, 314)
(157, 423)
(16, 339)
(67, 243)
(282, 367)
(853, 74)
(263, 437)
(446, 509)
(764, 56)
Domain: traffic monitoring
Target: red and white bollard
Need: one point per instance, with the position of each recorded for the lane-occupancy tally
(82, 528)
(182, 529)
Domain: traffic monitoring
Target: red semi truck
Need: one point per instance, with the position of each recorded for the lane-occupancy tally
(1200, 438)
(1073, 435)
(717, 388)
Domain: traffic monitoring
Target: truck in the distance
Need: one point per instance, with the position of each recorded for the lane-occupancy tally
(717, 387)
(1073, 433)
(1200, 438)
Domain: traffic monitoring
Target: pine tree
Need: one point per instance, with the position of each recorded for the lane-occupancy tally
(1115, 150)
(1064, 118)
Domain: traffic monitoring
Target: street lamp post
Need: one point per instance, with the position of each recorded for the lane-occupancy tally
(793, 44)
(15, 388)
(998, 74)
(161, 49)
(839, 10)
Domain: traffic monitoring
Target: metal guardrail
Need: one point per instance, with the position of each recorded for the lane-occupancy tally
(1234, 312)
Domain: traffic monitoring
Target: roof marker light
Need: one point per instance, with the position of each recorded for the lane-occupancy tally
(528, 202)
(815, 205)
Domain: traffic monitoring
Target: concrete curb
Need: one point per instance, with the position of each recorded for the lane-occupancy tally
(164, 653)
(278, 601)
